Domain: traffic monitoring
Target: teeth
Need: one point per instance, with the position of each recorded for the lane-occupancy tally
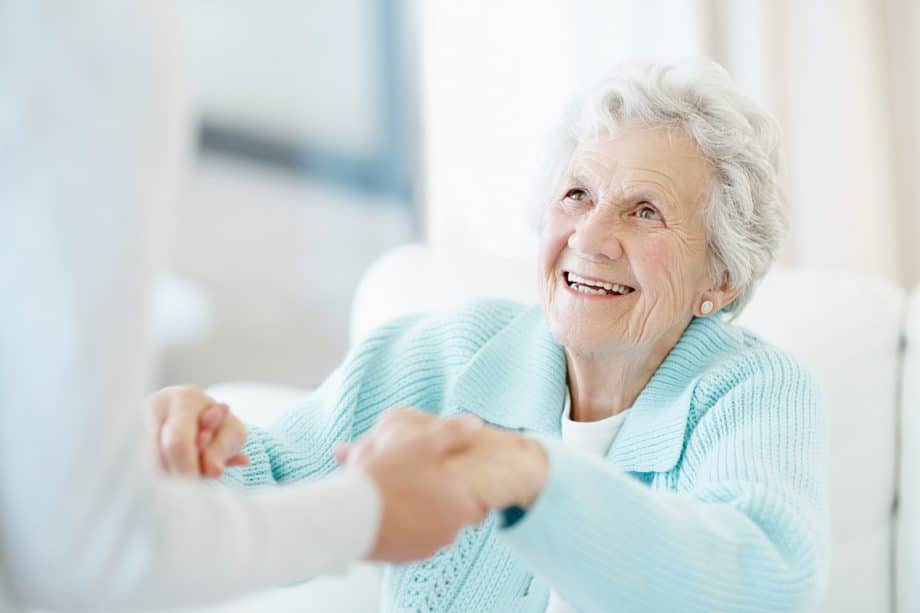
(593, 287)
(584, 289)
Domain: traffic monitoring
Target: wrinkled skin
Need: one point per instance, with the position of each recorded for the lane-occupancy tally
(629, 210)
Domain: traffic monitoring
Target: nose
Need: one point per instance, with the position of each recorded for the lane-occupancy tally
(596, 238)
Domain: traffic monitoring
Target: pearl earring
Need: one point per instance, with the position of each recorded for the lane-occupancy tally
(706, 307)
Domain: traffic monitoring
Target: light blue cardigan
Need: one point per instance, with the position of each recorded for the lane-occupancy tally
(712, 497)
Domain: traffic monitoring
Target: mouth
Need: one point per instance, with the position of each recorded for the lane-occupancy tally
(594, 287)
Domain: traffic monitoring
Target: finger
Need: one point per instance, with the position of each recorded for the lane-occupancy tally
(455, 434)
(240, 459)
(209, 421)
(161, 454)
(212, 416)
(468, 420)
(341, 453)
(178, 442)
(208, 468)
(405, 426)
(211, 470)
(227, 442)
(156, 416)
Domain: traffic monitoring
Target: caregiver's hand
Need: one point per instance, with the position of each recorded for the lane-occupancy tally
(504, 468)
(193, 433)
(424, 503)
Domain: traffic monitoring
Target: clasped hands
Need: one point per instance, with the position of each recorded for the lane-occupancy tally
(434, 475)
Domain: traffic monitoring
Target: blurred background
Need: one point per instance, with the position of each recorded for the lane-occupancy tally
(301, 116)
(316, 135)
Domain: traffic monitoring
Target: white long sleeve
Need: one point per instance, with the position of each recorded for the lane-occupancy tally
(85, 521)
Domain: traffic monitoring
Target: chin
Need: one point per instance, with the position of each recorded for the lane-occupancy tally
(578, 337)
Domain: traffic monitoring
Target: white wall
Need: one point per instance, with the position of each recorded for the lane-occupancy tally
(492, 75)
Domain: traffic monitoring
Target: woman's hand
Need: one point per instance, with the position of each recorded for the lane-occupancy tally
(193, 433)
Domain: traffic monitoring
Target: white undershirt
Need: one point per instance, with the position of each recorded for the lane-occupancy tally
(591, 437)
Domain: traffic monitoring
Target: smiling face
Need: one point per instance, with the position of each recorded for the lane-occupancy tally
(623, 250)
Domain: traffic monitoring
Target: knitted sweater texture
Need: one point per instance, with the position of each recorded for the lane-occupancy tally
(712, 497)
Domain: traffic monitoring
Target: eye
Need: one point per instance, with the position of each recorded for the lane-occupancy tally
(647, 211)
(577, 194)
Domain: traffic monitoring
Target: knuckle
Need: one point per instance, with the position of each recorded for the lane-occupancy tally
(189, 393)
(449, 427)
(442, 432)
(173, 444)
(181, 390)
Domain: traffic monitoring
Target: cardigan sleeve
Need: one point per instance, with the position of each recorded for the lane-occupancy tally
(300, 444)
(409, 361)
(744, 530)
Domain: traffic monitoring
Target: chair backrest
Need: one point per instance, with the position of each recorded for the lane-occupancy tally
(908, 560)
(854, 351)
(845, 328)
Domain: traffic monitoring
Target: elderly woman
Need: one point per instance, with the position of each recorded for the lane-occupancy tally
(670, 461)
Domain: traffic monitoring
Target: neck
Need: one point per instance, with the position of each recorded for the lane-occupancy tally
(603, 384)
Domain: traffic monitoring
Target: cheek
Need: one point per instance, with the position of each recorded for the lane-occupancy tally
(553, 240)
(665, 271)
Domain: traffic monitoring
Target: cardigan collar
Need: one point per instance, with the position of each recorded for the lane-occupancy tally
(517, 380)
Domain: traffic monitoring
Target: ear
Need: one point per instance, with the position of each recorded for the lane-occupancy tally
(720, 296)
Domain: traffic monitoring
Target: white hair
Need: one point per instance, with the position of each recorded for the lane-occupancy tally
(744, 218)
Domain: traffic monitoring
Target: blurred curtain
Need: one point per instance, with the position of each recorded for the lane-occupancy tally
(842, 77)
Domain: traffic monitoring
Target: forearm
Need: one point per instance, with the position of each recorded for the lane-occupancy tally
(606, 542)
(85, 522)
(165, 542)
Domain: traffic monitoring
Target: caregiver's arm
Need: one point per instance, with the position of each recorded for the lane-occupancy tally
(85, 520)
(745, 531)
